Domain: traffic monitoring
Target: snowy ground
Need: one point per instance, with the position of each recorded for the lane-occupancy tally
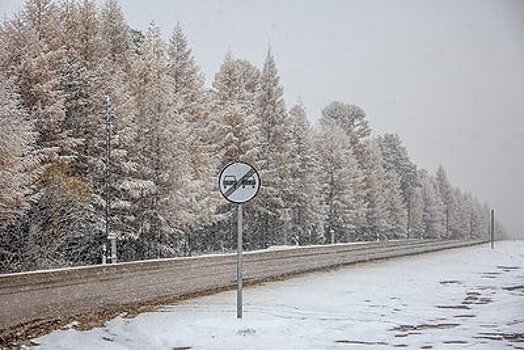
(464, 298)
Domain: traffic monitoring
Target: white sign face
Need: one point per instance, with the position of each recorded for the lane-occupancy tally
(239, 182)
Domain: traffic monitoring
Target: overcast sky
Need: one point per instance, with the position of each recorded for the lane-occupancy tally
(447, 76)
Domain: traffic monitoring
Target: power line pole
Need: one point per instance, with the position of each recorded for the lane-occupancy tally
(447, 222)
(110, 235)
(492, 228)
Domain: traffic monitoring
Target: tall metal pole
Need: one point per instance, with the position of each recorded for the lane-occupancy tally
(470, 225)
(492, 228)
(447, 222)
(109, 235)
(408, 229)
(239, 260)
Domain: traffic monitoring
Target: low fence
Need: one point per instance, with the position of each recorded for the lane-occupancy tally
(32, 298)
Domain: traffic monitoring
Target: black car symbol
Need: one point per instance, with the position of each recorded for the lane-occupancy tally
(250, 181)
(229, 180)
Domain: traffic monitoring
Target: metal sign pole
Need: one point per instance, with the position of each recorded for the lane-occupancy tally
(239, 261)
(239, 183)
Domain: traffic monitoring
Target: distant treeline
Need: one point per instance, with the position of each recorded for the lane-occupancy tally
(66, 66)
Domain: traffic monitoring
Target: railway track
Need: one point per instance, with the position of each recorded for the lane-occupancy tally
(32, 301)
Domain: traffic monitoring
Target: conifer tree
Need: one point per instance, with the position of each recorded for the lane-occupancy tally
(162, 165)
(186, 85)
(116, 37)
(16, 156)
(304, 199)
(235, 135)
(342, 182)
(396, 209)
(377, 206)
(416, 203)
(396, 158)
(274, 149)
(433, 214)
(233, 109)
(449, 201)
(352, 119)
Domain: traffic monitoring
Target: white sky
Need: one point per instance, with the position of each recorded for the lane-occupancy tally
(447, 75)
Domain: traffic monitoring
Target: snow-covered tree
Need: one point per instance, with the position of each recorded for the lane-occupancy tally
(186, 85)
(234, 134)
(477, 220)
(304, 199)
(352, 119)
(341, 185)
(416, 203)
(376, 200)
(116, 36)
(462, 227)
(433, 214)
(396, 209)
(396, 158)
(274, 127)
(16, 158)
(448, 198)
(32, 64)
(161, 175)
(233, 111)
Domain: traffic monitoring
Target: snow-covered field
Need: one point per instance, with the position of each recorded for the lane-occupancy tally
(463, 298)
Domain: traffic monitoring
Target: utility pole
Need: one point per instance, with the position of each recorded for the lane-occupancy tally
(470, 225)
(409, 216)
(492, 229)
(110, 235)
(447, 222)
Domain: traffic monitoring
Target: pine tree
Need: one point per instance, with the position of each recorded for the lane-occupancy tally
(416, 203)
(274, 151)
(477, 229)
(164, 172)
(343, 196)
(463, 215)
(116, 37)
(186, 85)
(396, 209)
(32, 64)
(233, 108)
(434, 215)
(352, 119)
(16, 157)
(450, 207)
(395, 158)
(150, 91)
(377, 206)
(304, 199)
(235, 136)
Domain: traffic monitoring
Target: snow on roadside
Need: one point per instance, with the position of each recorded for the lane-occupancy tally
(470, 297)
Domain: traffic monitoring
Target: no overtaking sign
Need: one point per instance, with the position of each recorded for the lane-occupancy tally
(239, 182)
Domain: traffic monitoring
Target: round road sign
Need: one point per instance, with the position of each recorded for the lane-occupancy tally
(239, 182)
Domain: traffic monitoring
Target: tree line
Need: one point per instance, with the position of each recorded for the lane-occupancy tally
(66, 67)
